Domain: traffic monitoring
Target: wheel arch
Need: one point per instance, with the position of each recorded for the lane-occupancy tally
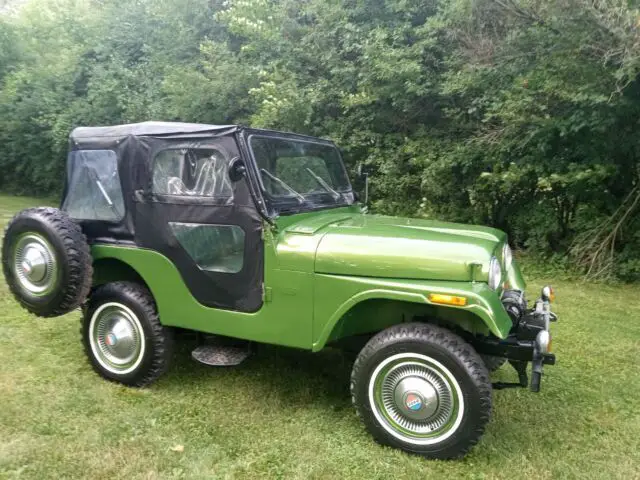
(111, 269)
(371, 311)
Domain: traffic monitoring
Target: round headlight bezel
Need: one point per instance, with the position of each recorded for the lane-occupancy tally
(495, 273)
(507, 255)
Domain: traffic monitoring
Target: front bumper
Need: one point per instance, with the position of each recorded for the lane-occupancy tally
(528, 341)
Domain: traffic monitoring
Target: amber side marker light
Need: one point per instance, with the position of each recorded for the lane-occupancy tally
(447, 299)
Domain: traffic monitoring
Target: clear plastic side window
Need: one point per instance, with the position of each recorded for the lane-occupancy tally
(201, 172)
(215, 248)
(94, 191)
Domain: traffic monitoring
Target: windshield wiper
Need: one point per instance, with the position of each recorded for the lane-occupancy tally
(299, 197)
(324, 184)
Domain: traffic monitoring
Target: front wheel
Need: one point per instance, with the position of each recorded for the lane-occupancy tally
(493, 363)
(423, 389)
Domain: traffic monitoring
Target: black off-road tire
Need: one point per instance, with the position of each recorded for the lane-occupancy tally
(450, 351)
(69, 250)
(493, 363)
(158, 339)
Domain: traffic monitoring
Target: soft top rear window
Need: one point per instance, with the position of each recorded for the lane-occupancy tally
(93, 190)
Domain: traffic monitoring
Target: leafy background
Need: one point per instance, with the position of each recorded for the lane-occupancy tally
(522, 114)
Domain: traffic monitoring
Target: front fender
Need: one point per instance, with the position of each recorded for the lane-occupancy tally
(347, 292)
(515, 280)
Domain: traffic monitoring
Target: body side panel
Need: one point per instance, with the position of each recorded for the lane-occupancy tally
(303, 307)
(294, 315)
(284, 319)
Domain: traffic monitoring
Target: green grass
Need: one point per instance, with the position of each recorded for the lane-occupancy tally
(285, 413)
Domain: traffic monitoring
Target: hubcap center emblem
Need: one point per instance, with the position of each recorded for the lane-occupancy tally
(413, 401)
(26, 266)
(111, 339)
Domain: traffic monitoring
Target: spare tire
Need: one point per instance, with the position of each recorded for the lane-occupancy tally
(46, 261)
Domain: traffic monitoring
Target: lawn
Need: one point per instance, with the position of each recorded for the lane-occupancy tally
(285, 413)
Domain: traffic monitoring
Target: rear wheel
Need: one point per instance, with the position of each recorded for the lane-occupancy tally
(422, 389)
(123, 337)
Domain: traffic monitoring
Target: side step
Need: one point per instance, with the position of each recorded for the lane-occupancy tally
(221, 355)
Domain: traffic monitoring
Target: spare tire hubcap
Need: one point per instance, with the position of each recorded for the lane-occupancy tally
(35, 264)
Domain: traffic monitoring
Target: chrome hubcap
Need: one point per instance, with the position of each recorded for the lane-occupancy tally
(116, 338)
(416, 398)
(35, 264)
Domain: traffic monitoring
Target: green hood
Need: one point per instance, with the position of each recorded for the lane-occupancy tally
(395, 247)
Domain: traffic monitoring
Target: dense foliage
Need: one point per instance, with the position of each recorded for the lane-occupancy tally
(522, 114)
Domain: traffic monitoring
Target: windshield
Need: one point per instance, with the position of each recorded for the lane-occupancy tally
(301, 175)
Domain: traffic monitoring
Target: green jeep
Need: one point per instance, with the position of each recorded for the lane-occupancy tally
(248, 235)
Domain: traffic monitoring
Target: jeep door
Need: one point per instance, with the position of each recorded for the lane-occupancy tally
(192, 212)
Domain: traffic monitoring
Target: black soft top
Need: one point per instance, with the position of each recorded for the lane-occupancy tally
(148, 129)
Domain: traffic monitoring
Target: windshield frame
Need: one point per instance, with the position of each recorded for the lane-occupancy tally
(282, 205)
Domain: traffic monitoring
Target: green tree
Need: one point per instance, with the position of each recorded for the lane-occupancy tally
(522, 114)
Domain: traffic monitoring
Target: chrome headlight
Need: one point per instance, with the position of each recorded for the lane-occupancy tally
(495, 273)
(507, 255)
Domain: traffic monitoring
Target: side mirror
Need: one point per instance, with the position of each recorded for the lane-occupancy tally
(237, 169)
